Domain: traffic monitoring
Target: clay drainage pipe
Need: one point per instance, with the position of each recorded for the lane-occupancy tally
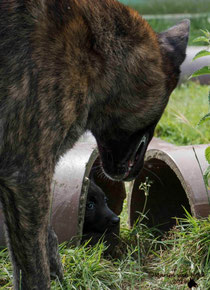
(177, 183)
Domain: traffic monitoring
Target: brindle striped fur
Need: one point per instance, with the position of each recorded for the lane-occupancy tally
(67, 66)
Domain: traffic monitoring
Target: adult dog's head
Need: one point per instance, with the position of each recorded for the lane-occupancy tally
(131, 100)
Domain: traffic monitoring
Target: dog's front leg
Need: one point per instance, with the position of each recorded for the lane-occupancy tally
(56, 269)
(26, 210)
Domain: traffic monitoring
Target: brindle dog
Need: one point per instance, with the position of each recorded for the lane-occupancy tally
(67, 66)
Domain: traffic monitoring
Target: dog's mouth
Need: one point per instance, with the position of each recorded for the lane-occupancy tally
(136, 159)
(125, 164)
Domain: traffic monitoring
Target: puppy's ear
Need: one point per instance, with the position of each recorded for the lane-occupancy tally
(174, 42)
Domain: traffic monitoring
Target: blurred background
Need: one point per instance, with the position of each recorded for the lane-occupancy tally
(161, 14)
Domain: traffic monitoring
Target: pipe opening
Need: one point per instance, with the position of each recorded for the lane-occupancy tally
(166, 196)
(115, 191)
(104, 204)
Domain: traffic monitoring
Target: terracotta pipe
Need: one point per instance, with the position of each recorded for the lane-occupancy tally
(70, 188)
(177, 182)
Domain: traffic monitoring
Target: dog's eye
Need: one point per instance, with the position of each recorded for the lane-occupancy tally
(90, 205)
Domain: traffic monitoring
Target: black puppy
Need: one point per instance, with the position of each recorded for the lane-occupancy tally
(99, 219)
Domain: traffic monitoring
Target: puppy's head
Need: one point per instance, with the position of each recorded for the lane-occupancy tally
(98, 216)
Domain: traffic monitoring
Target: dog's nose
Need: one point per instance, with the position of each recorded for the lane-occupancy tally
(115, 220)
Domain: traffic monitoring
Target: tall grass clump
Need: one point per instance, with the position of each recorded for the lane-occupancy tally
(147, 260)
(85, 268)
(186, 250)
(5, 270)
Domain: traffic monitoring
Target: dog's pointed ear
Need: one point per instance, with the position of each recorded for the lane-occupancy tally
(174, 42)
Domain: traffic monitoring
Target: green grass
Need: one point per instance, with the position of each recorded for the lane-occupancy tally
(169, 6)
(179, 123)
(85, 268)
(146, 259)
(185, 252)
